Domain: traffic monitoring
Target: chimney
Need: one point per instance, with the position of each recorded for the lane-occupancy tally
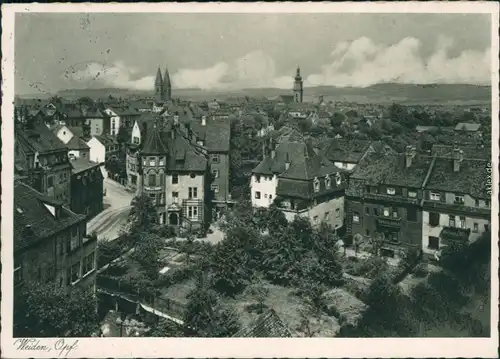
(409, 155)
(458, 156)
(203, 120)
(287, 162)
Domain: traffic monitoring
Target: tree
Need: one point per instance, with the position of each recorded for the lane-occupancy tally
(142, 214)
(276, 220)
(166, 328)
(146, 253)
(206, 317)
(44, 310)
(122, 137)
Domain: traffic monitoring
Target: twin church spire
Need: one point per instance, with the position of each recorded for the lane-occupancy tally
(163, 87)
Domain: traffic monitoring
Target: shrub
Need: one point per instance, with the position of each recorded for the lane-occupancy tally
(420, 271)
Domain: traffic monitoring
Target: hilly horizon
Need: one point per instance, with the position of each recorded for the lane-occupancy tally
(378, 93)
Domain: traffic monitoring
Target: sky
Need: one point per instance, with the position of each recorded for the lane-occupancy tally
(234, 51)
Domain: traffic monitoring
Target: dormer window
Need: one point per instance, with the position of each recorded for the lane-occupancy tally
(434, 196)
(328, 181)
(161, 162)
(412, 194)
(459, 199)
(152, 161)
(338, 179)
(316, 184)
(391, 190)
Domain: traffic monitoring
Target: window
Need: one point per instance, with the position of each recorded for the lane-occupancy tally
(367, 210)
(338, 179)
(152, 196)
(433, 243)
(74, 273)
(344, 165)
(192, 212)
(162, 199)
(215, 159)
(412, 194)
(257, 195)
(270, 196)
(375, 211)
(477, 202)
(476, 228)
(50, 181)
(88, 263)
(316, 185)
(486, 227)
(386, 212)
(175, 178)
(327, 216)
(435, 196)
(192, 175)
(144, 163)
(162, 179)
(459, 199)
(355, 217)
(367, 232)
(265, 195)
(391, 190)
(452, 221)
(175, 197)
(152, 180)
(433, 219)
(135, 140)
(315, 219)
(215, 173)
(152, 162)
(193, 192)
(462, 222)
(395, 213)
(215, 188)
(487, 202)
(257, 179)
(411, 214)
(161, 162)
(328, 182)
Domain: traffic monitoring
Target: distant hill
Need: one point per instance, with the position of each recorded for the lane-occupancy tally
(381, 93)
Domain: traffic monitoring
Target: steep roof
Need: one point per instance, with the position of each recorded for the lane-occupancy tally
(267, 325)
(470, 179)
(76, 143)
(341, 150)
(183, 155)
(379, 168)
(470, 151)
(218, 134)
(38, 139)
(81, 164)
(32, 219)
(106, 140)
(153, 143)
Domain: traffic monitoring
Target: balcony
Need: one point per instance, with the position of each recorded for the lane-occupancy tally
(389, 222)
(455, 234)
(457, 208)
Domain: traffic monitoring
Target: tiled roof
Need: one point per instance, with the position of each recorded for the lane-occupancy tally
(286, 98)
(81, 164)
(470, 179)
(341, 150)
(267, 325)
(379, 168)
(153, 143)
(75, 130)
(76, 143)
(470, 151)
(29, 210)
(106, 140)
(467, 126)
(183, 155)
(38, 139)
(124, 111)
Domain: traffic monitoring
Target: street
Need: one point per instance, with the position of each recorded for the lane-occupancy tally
(108, 223)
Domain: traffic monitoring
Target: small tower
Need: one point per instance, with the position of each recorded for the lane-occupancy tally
(159, 87)
(167, 86)
(298, 90)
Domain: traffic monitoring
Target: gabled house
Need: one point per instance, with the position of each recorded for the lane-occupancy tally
(300, 182)
(102, 148)
(50, 242)
(76, 146)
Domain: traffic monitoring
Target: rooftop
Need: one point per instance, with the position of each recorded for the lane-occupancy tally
(81, 164)
(341, 150)
(76, 143)
(39, 139)
(33, 220)
(267, 325)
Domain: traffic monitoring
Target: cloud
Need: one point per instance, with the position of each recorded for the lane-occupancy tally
(358, 63)
(363, 62)
(117, 75)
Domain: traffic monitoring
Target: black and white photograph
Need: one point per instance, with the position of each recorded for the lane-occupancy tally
(222, 173)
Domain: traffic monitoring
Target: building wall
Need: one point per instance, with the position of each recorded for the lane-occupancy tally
(266, 187)
(444, 221)
(223, 180)
(87, 197)
(49, 261)
(56, 181)
(182, 188)
(64, 134)
(97, 150)
(113, 119)
(136, 133)
(97, 126)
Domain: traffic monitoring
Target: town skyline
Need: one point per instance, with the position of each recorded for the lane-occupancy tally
(232, 57)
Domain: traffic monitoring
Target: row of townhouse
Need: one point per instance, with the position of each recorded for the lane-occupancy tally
(418, 200)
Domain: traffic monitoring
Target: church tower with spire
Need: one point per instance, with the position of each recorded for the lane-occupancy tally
(298, 89)
(159, 90)
(167, 86)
